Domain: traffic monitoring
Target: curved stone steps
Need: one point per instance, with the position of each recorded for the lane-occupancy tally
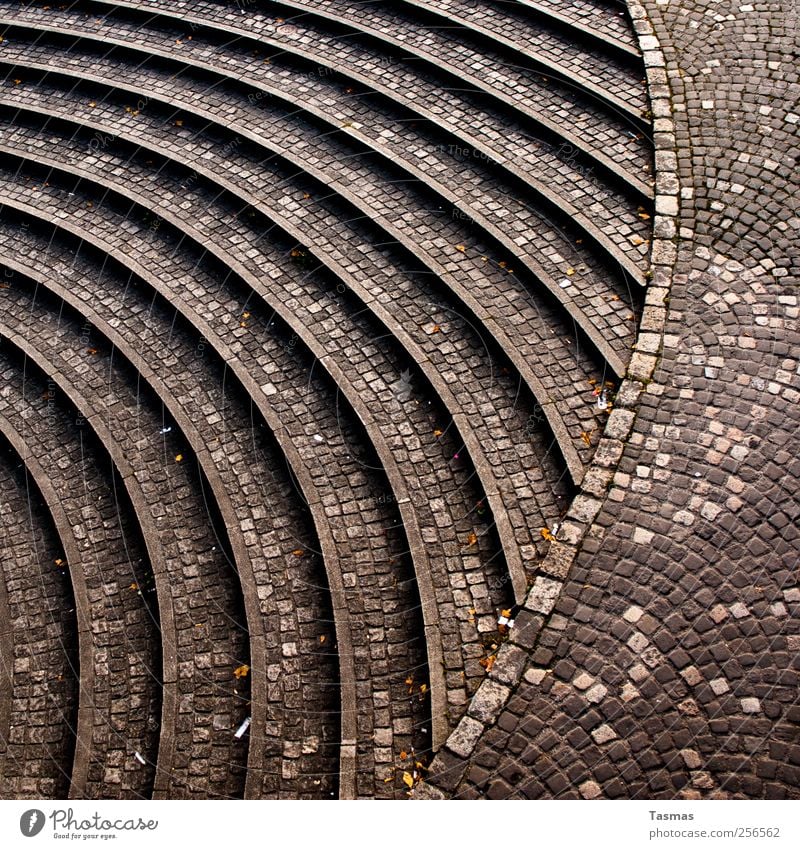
(605, 23)
(351, 332)
(228, 260)
(173, 497)
(606, 75)
(315, 495)
(607, 144)
(313, 282)
(121, 177)
(68, 545)
(491, 209)
(565, 379)
(6, 667)
(515, 563)
(119, 693)
(353, 601)
(424, 527)
(603, 81)
(40, 708)
(262, 574)
(227, 434)
(429, 235)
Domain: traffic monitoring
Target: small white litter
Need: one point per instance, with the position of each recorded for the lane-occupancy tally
(240, 731)
(139, 758)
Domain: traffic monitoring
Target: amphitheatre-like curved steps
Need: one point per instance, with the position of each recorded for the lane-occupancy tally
(481, 304)
(332, 289)
(39, 704)
(194, 687)
(70, 291)
(400, 493)
(535, 164)
(597, 329)
(116, 624)
(187, 202)
(605, 23)
(614, 147)
(209, 336)
(71, 555)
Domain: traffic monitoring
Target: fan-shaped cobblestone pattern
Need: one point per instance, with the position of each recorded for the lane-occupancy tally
(312, 317)
(202, 689)
(40, 708)
(116, 624)
(667, 664)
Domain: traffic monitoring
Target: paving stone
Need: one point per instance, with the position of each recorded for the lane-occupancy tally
(377, 385)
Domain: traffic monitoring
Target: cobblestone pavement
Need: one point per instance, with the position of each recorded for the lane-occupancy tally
(408, 390)
(668, 665)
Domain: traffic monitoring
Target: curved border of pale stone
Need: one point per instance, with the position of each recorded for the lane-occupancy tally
(579, 523)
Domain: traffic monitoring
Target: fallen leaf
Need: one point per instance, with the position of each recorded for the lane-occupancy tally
(403, 755)
(298, 552)
(545, 532)
(133, 587)
(241, 671)
(586, 438)
(178, 458)
(437, 432)
(472, 539)
(461, 248)
(408, 779)
(488, 662)
(322, 639)
(570, 272)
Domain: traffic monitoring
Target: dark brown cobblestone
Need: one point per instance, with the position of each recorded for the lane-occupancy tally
(117, 615)
(439, 409)
(39, 710)
(697, 536)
